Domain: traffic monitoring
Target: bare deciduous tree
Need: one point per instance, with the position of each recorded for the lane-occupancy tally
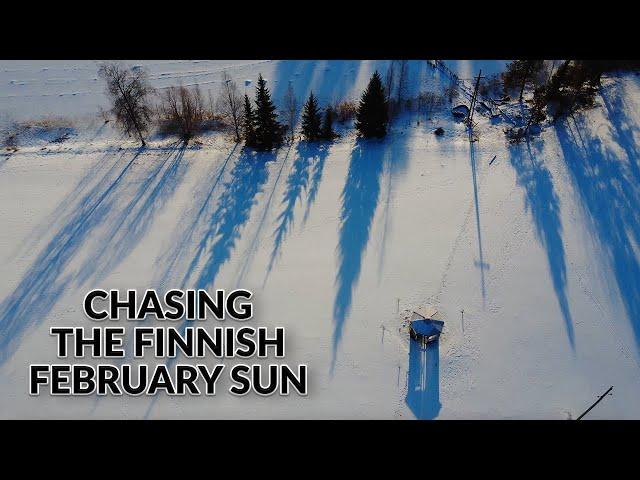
(129, 92)
(231, 105)
(403, 72)
(183, 111)
(388, 83)
(291, 111)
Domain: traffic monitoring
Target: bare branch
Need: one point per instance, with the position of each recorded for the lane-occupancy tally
(129, 92)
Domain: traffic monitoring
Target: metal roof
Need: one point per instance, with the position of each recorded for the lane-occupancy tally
(425, 311)
(427, 328)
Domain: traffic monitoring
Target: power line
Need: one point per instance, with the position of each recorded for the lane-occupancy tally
(595, 403)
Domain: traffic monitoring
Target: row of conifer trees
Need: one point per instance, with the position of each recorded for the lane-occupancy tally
(263, 131)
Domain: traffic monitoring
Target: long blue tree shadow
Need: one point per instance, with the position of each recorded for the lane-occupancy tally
(359, 201)
(131, 222)
(318, 160)
(610, 196)
(624, 128)
(247, 177)
(423, 380)
(232, 212)
(97, 172)
(296, 184)
(543, 203)
(45, 281)
(395, 166)
(255, 238)
(169, 263)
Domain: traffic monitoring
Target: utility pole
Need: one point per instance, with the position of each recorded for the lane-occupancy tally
(595, 403)
(474, 99)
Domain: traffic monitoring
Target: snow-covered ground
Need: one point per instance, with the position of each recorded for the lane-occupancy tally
(539, 249)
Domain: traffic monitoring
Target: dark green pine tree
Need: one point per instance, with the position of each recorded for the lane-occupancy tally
(372, 115)
(248, 123)
(327, 132)
(268, 129)
(311, 119)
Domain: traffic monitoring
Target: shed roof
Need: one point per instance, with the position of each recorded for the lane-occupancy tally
(427, 328)
(425, 311)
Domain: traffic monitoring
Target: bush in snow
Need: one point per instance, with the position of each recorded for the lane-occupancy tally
(182, 112)
(345, 111)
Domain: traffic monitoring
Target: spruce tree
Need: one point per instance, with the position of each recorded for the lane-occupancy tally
(519, 73)
(268, 129)
(248, 124)
(311, 119)
(327, 132)
(372, 115)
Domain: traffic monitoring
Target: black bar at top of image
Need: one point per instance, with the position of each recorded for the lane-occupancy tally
(248, 32)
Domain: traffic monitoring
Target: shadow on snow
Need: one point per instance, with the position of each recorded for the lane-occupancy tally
(543, 203)
(423, 382)
(147, 185)
(359, 201)
(203, 204)
(226, 222)
(308, 155)
(130, 223)
(395, 165)
(247, 257)
(45, 281)
(610, 196)
(319, 159)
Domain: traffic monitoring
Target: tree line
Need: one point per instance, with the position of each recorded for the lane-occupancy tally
(557, 90)
(255, 121)
(560, 88)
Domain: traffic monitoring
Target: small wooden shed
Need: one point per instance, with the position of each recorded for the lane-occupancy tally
(423, 326)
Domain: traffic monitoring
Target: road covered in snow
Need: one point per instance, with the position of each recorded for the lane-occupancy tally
(532, 259)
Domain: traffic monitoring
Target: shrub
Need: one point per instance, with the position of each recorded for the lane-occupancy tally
(182, 112)
(345, 111)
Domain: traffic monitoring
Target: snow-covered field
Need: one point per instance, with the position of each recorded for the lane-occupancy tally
(540, 248)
